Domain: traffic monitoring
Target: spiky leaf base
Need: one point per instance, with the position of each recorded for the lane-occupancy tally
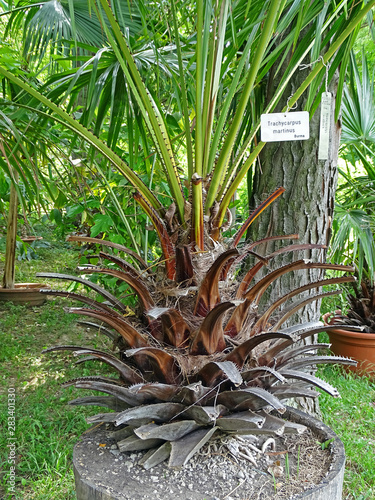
(200, 358)
(361, 312)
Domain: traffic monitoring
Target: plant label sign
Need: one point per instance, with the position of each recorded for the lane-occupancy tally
(275, 127)
(325, 122)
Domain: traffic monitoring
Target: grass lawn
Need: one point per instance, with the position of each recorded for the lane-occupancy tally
(352, 417)
(47, 428)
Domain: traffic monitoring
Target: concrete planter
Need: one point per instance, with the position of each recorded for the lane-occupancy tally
(100, 479)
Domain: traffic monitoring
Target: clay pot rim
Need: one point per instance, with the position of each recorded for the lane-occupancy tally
(351, 334)
(329, 317)
(24, 287)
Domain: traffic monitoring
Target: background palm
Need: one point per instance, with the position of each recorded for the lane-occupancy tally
(353, 236)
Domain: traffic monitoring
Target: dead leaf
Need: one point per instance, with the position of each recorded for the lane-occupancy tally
(276, 470)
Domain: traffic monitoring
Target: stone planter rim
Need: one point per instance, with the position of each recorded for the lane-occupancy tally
(329, 487)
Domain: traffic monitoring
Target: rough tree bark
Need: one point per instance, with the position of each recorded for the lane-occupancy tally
(307, 205)
(10, 249)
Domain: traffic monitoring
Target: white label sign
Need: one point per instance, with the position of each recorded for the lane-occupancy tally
(325, 122)
(293, 126)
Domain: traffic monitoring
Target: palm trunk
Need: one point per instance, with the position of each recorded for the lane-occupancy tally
(10, 249)
(307, 205)
(305, 208)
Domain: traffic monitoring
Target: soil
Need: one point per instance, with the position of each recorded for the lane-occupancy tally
(297, 463)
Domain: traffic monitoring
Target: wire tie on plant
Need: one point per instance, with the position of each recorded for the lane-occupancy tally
(288, 108)
(326, 65)
(325, 112)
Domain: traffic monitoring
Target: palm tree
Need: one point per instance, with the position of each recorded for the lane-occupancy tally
(353, 235)
(184, 353)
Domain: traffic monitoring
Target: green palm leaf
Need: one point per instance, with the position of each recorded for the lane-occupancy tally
(358, 110)
(352, 236)
(50, 25)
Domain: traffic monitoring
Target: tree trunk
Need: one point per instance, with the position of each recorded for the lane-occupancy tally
(305, 208)
(10, 249)
(307, 205)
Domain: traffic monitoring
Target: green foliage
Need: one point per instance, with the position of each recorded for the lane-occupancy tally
(353, 239)
(358, 110)
(353, 224)
(102, 224)
(44, 451)
(324, 445)
(365, 43)
(170, 92)
(30, 251)
(351, 417)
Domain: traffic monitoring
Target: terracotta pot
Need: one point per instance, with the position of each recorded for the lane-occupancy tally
(357, 345)
(24, 294)
(31, 239)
